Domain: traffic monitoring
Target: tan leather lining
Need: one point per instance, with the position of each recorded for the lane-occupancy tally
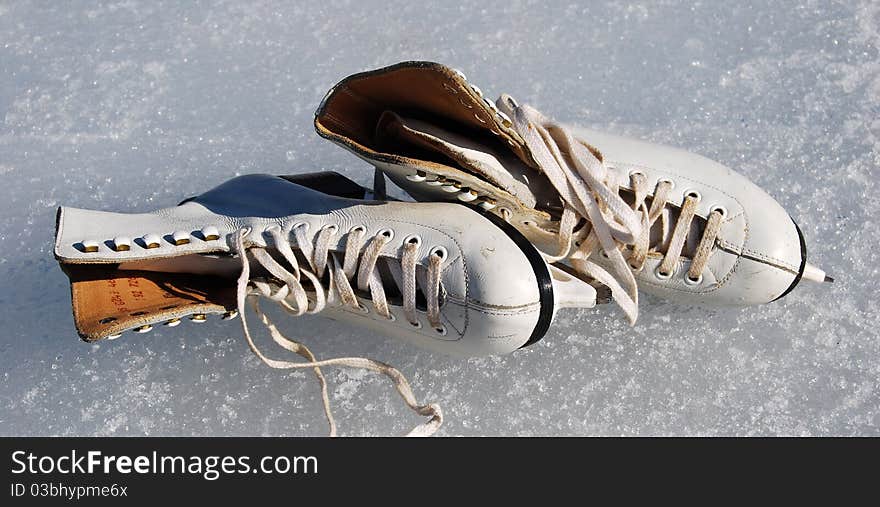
(107, 301)
(353, 108)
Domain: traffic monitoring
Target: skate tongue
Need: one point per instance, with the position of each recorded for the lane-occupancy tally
(501, 169)
(492, 162)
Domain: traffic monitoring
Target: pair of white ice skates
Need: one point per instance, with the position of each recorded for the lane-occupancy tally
(517, 217)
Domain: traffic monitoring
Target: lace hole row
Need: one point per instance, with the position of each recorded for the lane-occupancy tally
(693, 194)
(693, 281)
(687, 277)
(150, 241)
(690, 193)
(661, 275)
(441, 330)
(462, 193)
(197, 318)
(412, 239)
(719, 209)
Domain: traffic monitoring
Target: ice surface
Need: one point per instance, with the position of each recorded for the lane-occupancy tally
(134, 105)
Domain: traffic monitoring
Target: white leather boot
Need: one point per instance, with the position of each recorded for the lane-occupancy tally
(439, 275)
(620, 211)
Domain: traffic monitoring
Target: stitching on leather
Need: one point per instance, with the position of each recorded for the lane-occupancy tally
(727, 244)
(495, 310)
(771, 260)
(419, 332)
(736, 263)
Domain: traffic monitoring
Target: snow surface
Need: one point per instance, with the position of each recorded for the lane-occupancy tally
(133, 105)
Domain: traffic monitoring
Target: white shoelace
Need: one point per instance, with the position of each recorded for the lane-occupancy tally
(588, 191)
(676, 243)
(288, 291)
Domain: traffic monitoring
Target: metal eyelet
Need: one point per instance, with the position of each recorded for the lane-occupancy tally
(467, 195)
(358, 228)
(436, 182)
(210, 233)
(694, 194)
(690, 281)
(439, 251)
(122, 243)
(451, 186)
(231, 314)
(107, 320)
(487, 203)
(387, 233)
(89, 246)
(491, 105)
(417, 324)
(172, 323)
(113, 336)
(666, 180)
(418, 177)
(413, 239)
(505, 213)
(441, 330)
(477, 90)
(198, 318)
(505, 120)
(180, 238)
(660, 275)
(151, 241)
(720, 209)
(143, 329)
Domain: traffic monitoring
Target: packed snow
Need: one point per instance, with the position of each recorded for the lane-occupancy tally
(134, 105)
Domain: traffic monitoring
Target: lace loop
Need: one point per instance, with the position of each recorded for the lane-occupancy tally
(582, 181)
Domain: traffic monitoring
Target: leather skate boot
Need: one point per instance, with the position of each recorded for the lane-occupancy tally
(439, 275)
(621, 212)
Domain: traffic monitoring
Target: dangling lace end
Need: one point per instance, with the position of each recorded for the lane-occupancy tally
(263, 289)
(627, 300)
(429, 428)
